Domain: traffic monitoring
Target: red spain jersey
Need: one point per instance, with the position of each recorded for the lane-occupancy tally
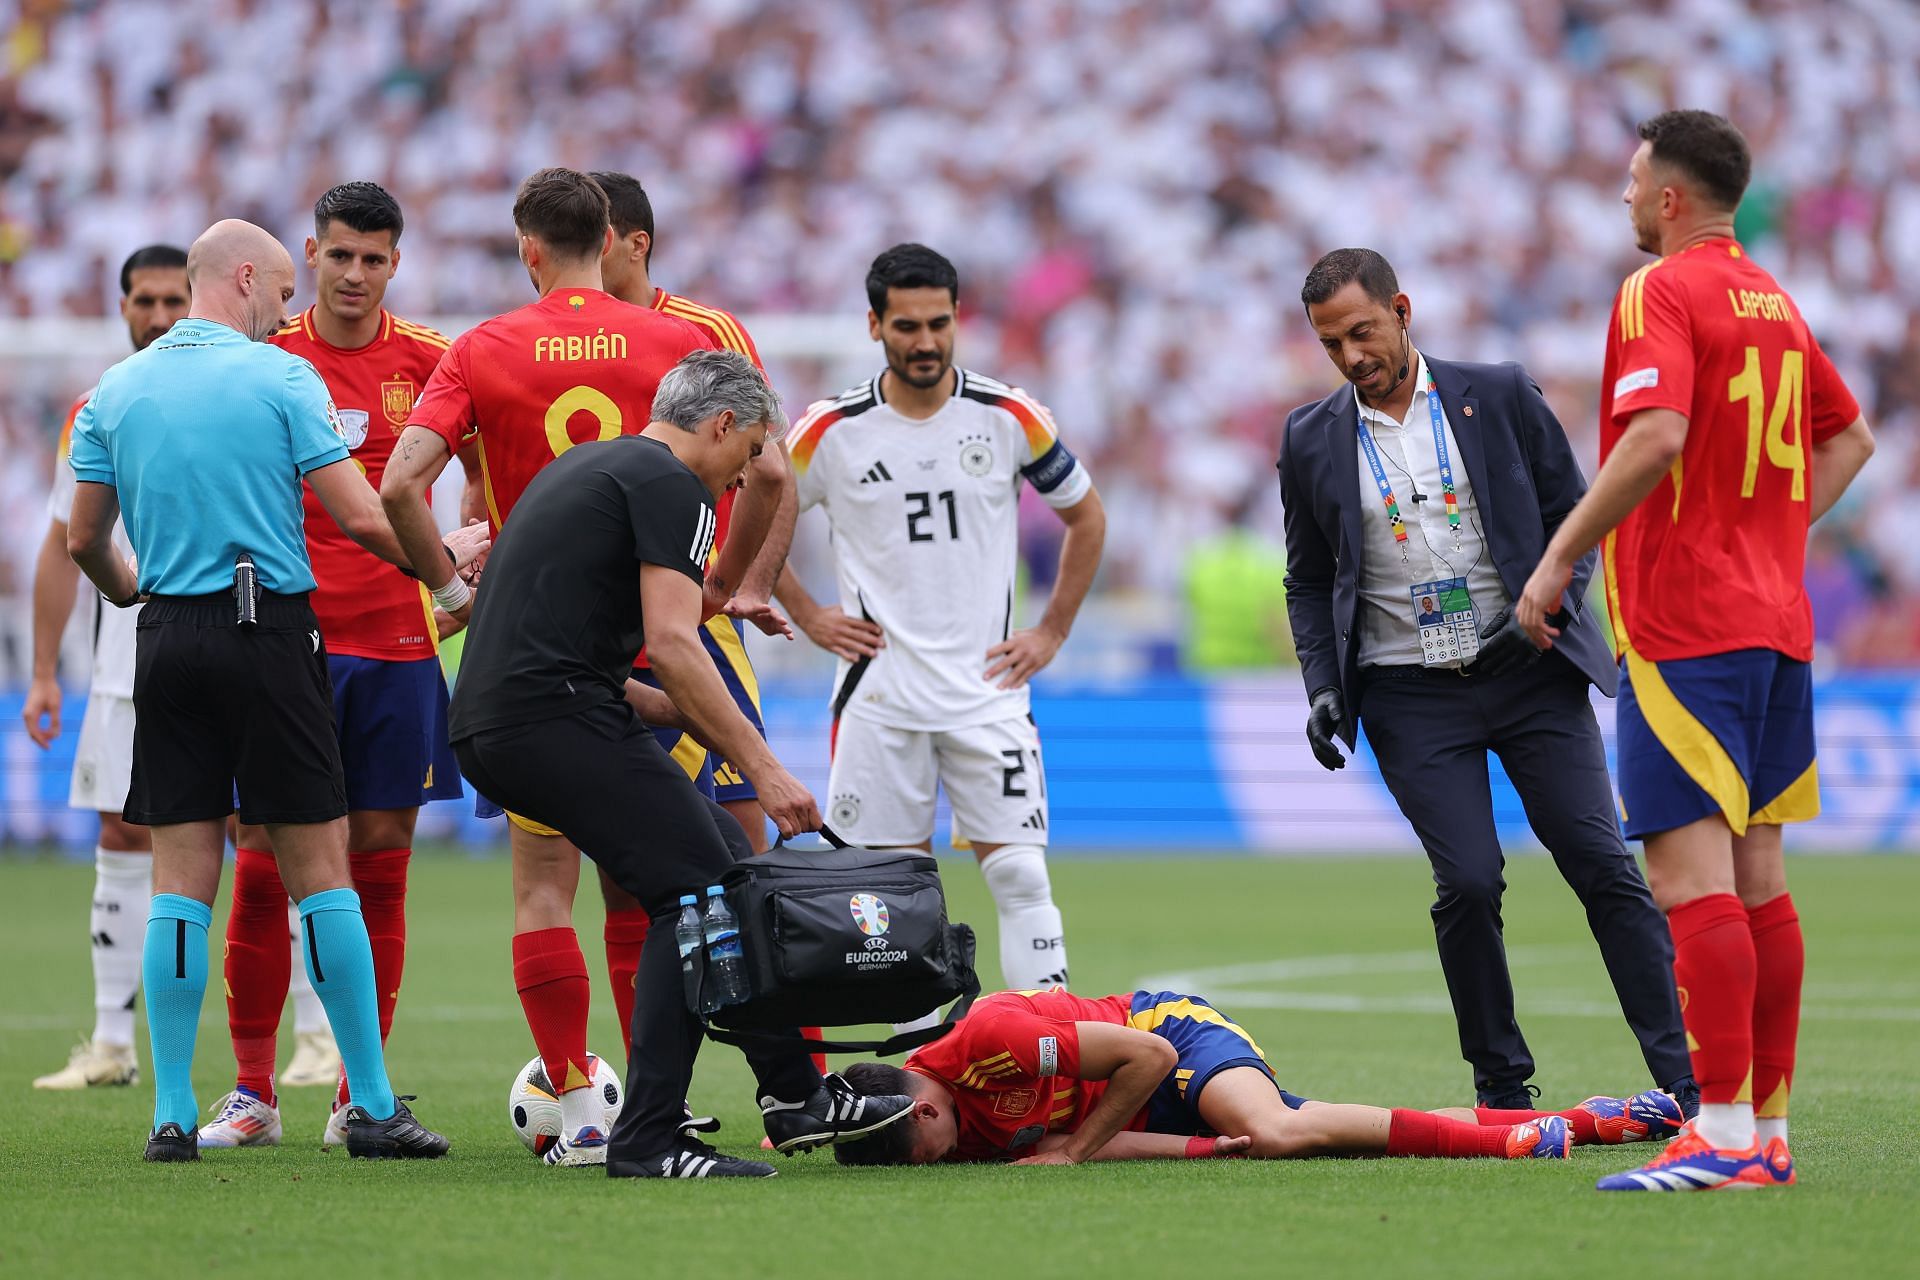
(1713, 561)
(527, 386)
(1013, 1066)
(366, 607)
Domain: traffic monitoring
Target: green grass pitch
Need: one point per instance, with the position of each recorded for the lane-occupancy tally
(1329, 963)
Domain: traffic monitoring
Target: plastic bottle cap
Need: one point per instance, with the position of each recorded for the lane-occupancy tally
(713, 891)
(686, 899)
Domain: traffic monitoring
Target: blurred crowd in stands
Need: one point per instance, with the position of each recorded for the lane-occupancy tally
(1133, 190)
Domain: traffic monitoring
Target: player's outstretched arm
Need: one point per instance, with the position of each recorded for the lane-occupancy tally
(1133, 1063)
(670, 606)
(1126, 1145)
(1025, 653)
(1836, 461)
(56, 582)
(343, 490)
(1653, 440)
(758, 539)
(417, 461)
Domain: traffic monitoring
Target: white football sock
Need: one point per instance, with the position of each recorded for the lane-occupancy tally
(1726, 1124)
(581, 1108)
(1033, 955)
(309, 1014)
(1767, 1128)
(122, 890)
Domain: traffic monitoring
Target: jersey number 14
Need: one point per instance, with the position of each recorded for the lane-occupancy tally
(1771, 428)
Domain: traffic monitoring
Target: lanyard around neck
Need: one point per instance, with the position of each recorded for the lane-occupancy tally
(1380, 481)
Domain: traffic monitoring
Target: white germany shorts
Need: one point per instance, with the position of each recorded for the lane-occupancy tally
(881, 789)
(103, 760)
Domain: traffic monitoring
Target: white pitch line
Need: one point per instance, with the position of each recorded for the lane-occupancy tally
(1243, 986)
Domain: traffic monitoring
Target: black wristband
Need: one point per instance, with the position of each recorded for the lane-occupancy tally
(452, 559)
(128, 603)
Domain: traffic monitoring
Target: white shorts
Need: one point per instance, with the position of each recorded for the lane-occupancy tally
(881, 789)
(103, 760)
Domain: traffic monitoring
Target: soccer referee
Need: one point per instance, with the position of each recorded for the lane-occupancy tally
(204, 439)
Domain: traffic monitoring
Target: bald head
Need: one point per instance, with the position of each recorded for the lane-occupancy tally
(241, 277)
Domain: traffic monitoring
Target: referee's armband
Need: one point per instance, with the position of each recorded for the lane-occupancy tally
(1058, 477)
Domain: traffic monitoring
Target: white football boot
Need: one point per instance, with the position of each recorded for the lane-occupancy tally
(244, 1121)
(94, 1062)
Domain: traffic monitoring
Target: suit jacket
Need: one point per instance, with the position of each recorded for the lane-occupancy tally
(1525, 481)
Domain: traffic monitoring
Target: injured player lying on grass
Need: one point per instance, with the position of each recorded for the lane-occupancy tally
(1045, 1077)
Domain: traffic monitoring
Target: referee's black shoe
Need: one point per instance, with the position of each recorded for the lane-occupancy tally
(1509, 1097)
(690, 1158)
(170, 1144)
(834, 1112)
(398, 1137)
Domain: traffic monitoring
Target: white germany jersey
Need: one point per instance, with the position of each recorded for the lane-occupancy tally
(925, 522)
(112, 629)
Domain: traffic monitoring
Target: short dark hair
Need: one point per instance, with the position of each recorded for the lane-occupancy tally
(1706, 148)
(1336, 270)
(628, 208)
(565, 210)
(893, 1144)
(909, 266)
(163, 256)
(360, 206)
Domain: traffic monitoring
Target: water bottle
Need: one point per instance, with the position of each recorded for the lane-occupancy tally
(687, 934)
(726, 961)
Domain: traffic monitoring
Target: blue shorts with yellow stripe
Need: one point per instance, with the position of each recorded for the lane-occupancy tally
(1729, 733)
(715, 777)
(1208, 1043)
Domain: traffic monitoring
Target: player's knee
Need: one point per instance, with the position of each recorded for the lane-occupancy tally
(117, 835)
(1469, 888)
(1291, 1136)
(1016, 875)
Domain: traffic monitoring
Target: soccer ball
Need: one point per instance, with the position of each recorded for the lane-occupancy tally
(534, 1111)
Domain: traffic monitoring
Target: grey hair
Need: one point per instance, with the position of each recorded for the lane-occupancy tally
(707, 383)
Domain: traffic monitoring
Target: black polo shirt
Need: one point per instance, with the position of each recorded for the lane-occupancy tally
(556, 619)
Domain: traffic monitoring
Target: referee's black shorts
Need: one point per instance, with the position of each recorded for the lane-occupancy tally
(219, 709)
(601, 779)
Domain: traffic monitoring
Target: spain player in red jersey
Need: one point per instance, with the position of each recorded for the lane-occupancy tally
(1046, 1077)
(389, 697)
(1724, 432)
(520, 390)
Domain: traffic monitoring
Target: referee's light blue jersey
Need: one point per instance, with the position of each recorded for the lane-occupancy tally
(206, 435)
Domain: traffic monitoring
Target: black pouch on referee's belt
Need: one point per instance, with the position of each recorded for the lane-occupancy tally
(837, 936)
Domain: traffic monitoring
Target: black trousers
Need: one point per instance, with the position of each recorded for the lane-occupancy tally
(603, 781)
(1431, 733)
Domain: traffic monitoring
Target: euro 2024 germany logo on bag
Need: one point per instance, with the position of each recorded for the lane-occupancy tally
(870, 913)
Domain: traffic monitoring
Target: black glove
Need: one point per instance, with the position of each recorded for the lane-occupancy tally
(1328, 712)
(1504, 646)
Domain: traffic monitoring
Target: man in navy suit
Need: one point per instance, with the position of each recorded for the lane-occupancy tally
(1418, 498)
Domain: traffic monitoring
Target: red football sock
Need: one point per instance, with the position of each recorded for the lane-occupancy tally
(1584, 1126)
(1713, 965)
(1420, 1133)
(626, 934)
(1780, 962)
(259, 967)
(551, 975)
(380, 878)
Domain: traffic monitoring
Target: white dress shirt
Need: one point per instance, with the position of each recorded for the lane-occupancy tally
(1388, 634)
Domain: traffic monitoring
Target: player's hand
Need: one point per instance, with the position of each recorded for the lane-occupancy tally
(844, 637)
(761, 613)
(1021, 656)
(43, 705)
(1056, 1156)
(787, 802)
(1324, 718)
(1504, 646)
(1224, 1146)
(469, 544)
(1541, 598)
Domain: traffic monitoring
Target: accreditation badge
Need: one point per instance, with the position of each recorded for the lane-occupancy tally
(1448, 623)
